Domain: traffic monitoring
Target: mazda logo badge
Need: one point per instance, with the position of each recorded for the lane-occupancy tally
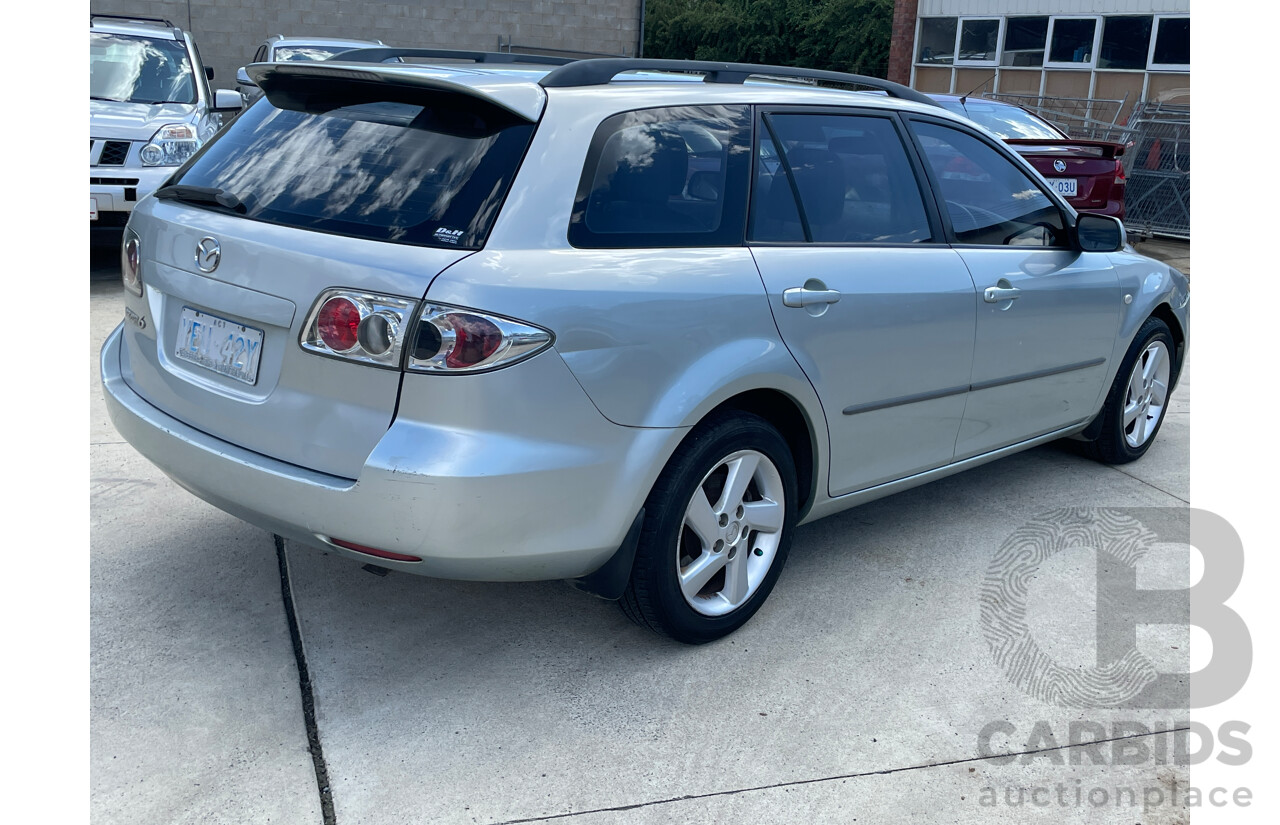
(1059, 166)
(208, 254)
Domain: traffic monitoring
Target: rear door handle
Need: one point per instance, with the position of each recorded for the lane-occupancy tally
(996, 294)
(802, 297)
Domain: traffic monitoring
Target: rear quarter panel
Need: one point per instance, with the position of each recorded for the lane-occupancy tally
(656, 337)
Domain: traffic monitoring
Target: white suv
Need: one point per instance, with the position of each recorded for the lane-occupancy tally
(622, 322)
(281, 49)
(150, 108)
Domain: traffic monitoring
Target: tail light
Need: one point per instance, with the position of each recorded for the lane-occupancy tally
(1120, 181)
(131, 262)
(359, 326)
(456, 340)
(378, 329)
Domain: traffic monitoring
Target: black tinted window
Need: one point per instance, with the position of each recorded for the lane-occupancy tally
(855, 183)
(988, 198)
(1125, 41)
(1024, 39)
(428, 169)
(1072, 40)
(774, 214)
(665, 177)
(1173, 42)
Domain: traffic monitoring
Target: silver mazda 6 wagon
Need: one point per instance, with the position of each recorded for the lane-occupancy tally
(621, 322)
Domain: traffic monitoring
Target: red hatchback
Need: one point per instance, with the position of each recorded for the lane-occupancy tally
(1085, 172)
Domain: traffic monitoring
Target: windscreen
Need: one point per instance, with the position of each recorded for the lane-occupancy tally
(308, 54)
(1007, 122)
(369, 160)
(129, 69)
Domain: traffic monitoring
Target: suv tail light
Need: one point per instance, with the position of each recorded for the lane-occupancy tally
(456, 340)
(131, 262)
(358, 326)
(1120, 181)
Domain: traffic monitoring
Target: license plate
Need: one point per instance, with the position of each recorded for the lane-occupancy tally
(1066, 187)
(93, 209)
(217, 344)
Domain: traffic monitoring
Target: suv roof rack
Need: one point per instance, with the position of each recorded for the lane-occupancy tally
(378, 55)
(131, 18)
(602, 71)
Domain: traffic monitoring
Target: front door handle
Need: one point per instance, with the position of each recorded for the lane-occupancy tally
(996, 294)
(804, 297)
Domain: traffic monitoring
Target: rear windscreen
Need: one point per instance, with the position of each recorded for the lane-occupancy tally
(385, 163)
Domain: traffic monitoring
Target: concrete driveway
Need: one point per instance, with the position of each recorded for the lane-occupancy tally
(863, 691)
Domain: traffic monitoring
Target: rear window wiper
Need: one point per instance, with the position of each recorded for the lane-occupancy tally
(201, 194)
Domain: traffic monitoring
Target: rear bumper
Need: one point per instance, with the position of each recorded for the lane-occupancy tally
(479, 505)
(1114, 208)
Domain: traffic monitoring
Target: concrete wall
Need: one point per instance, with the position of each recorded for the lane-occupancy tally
(228, 31)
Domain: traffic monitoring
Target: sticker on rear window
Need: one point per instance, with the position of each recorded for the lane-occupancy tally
(450, 236)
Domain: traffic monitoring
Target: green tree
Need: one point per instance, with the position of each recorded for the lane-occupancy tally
(840, 35)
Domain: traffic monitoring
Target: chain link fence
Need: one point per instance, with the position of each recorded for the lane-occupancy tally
(1157, 158)
(1157, 200)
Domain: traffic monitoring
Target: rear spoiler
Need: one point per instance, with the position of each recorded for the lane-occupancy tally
(1101, 148)
(281, 82)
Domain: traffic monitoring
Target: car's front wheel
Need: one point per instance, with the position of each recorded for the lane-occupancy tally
(1139, 397)
(717, 531)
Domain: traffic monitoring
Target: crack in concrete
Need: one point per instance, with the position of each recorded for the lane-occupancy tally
(1152, 486)
(797, 782)
(304, 687)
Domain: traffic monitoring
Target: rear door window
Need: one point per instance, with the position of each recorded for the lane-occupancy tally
(853, 178)
(674, 177)
(369, 161)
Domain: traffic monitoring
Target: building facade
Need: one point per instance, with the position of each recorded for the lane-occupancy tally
(1112, 49)
(229, 31)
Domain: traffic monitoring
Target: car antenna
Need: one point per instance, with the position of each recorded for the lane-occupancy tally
(965, 96)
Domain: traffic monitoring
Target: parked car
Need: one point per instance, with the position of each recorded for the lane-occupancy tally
(482, 322)
(281, 49)
(1088, 173)
(150, 109)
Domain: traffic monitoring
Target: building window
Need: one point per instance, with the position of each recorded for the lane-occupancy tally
(1024, 39)
(1126, 42)
(1172, 49)
(979, 41)
(1071, 42)
(937, 40)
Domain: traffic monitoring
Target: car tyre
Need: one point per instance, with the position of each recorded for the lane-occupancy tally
(717, 530)
(1139, 397)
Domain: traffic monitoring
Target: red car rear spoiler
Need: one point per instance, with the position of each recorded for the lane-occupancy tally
(1104, 148)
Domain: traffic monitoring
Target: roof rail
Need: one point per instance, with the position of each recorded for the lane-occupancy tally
(381, 54)
(602, 71)
(131, 17)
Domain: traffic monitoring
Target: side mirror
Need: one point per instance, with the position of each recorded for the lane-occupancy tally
(242, 77)
(227, 100)
(208, 72)
(1099, 233)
